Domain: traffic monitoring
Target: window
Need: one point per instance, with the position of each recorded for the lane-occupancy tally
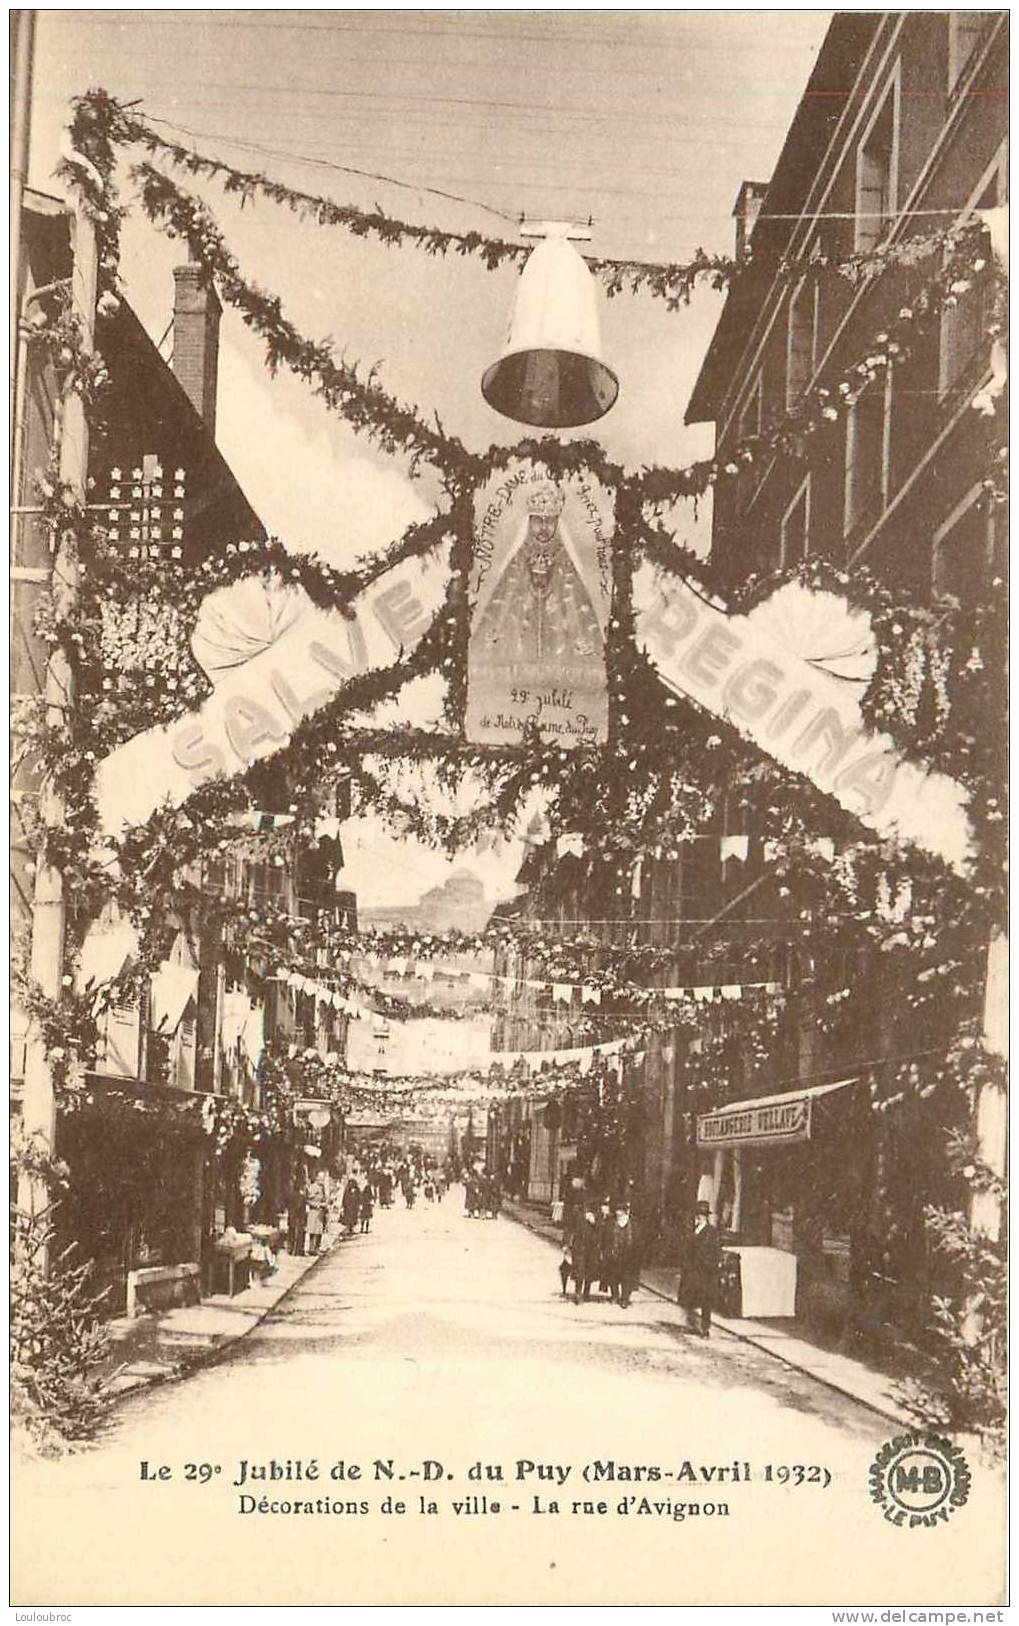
(964, 32)
(223, 876)
(795, 531)
(964, 345)
(800, 342)
(867, 455)
(267, 883)
(962, 549)
(876, 165)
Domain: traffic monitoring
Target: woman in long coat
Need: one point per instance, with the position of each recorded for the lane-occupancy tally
(351, 1207)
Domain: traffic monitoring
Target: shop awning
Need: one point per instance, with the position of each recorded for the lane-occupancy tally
(173, 986)
(104, 954)
(767, 1120)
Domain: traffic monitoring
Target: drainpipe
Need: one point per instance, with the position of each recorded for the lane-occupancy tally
(23, 49)
(49, 908)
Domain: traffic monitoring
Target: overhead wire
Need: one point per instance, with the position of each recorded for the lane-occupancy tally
(513, 219)
(345, 169)
(338, 30)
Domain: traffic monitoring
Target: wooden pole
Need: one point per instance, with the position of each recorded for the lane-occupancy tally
(49, 908)
(22, 52)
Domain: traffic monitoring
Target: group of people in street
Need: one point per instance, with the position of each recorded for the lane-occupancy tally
(602, 1236)
(357, 1208)
(603, 1243)
(324, 1203)
(380, 1175)
(482, 1194)
(601, 1246)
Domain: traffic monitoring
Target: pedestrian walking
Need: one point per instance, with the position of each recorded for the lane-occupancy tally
(316, 1212)
(700, 1279)
(493, 1198)
(622, 1259)
(350, 1210)
(605, 1223)
(367, 1210)
(585, 1253)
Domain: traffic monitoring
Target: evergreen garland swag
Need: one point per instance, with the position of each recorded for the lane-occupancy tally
(640, 780)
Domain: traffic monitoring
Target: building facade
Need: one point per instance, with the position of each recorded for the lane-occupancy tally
(900, 136)
(153, 1177)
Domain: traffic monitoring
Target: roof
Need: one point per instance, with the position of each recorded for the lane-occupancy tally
(835, 72)
(148, 404)
(146, 408)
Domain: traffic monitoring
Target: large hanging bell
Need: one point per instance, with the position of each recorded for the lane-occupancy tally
(550, 372)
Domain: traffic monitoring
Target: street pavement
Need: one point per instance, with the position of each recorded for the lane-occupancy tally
(442, 1340)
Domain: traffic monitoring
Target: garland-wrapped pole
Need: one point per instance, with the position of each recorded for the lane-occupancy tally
(49, 907)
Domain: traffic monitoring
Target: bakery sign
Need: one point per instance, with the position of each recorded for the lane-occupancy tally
(757, 1125)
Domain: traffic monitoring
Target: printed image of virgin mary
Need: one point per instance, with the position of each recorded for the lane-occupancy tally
(540, 611)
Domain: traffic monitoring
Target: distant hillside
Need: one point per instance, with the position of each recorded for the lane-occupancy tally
(459, 903)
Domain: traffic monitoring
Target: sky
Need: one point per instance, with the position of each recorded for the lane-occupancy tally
(647, 122)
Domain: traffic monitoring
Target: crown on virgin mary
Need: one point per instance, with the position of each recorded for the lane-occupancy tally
(545, 499)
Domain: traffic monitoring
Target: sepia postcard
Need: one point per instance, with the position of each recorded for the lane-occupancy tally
(508, 824)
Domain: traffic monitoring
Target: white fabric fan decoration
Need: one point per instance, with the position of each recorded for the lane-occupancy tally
(240, 621)
(822, 629)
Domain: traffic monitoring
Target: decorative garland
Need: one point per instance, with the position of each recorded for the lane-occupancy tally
(368, 408)
(673, 282)
(631, 792)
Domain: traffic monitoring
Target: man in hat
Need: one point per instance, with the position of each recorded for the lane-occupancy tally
(585, 1253)
(621, 1255)
(700, 1280)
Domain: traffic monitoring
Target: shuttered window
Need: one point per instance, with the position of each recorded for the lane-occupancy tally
(800, 346)
(866, 457)
(876, 162)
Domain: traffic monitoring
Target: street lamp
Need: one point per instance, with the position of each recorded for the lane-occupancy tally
(550, 372)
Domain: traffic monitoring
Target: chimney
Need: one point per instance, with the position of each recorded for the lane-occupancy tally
(746, 209)
(196, 314)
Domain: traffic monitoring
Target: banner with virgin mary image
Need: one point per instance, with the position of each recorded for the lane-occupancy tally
(541, 594)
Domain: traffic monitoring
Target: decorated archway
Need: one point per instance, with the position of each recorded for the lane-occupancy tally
(542, 630)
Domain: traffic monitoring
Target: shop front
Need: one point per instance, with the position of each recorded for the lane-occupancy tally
(134, 1196)
(787, 1177)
